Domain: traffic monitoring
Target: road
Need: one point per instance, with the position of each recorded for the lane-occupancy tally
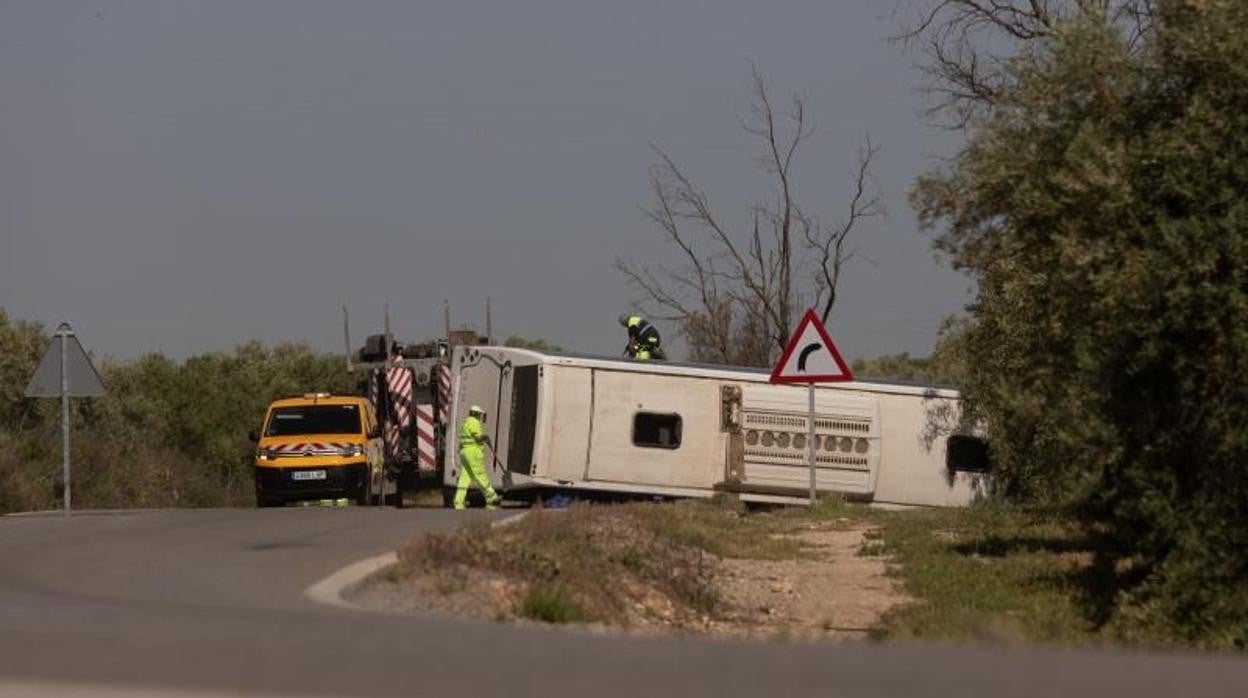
(213, 601)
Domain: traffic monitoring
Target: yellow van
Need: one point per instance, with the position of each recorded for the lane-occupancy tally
(318, 446)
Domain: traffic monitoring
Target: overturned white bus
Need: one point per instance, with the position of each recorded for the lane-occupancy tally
(562, 422)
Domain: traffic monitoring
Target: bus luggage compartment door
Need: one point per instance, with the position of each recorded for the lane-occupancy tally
(777, 426)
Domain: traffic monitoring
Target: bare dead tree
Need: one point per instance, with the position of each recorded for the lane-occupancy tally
(735, 295)
(832, 244)
(966, 43)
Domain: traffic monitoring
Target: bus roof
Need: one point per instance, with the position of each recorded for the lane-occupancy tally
(747, 373)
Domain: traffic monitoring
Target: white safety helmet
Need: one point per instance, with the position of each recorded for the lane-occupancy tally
(476, 409)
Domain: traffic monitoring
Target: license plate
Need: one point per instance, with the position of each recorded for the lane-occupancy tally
(308, 475)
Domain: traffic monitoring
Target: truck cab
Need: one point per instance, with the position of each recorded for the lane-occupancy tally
(318, 446)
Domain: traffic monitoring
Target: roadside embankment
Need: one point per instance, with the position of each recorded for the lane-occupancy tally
(692, 567)
(980, 575)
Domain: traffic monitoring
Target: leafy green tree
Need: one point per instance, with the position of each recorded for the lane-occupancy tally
(521, 342)
(901, 367)
(1099, 206)
(22, 343)
(945, 366)
(167, 433)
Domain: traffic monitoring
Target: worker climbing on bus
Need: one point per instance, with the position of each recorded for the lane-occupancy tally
(644, 342)
(472, 441)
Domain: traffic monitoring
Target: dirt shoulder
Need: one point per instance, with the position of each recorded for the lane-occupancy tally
(835, 593)
(688, 567)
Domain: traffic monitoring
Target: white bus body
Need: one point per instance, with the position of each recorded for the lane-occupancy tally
(673, 429)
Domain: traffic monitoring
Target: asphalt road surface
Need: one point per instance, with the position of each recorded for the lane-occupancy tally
(212, 601)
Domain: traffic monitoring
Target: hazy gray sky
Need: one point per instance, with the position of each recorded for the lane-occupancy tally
(182, 176)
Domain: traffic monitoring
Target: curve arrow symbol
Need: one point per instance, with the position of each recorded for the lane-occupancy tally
(806, 352)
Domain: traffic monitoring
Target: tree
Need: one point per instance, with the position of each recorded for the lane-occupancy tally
(972, 49)
(945, 366)
(167, 433)
(735, 292)
(1098, 206)
(22, 343)
(521, 342)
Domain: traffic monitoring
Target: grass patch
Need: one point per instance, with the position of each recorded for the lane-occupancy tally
(394, 573)
(550, 604)
(990, 574)
(723, 529)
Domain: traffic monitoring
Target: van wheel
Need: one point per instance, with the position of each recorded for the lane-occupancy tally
(398, 492)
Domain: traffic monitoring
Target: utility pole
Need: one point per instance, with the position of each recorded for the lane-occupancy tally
(346, 339)
(488, 325)
(389, 339)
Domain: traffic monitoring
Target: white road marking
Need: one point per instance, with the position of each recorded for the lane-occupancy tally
(329, 590)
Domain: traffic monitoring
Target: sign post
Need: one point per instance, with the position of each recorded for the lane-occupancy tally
(810, 441)
(65, 371)
(63, 333)
(810, 357)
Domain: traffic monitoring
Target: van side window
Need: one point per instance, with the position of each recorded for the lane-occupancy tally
(655, 430)
(967, 454)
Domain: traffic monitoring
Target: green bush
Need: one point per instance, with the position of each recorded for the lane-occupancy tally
(1099, 207)
(167, 433)
(550, 603)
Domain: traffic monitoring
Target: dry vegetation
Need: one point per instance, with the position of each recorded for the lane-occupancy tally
(985, 574)
(689, 567)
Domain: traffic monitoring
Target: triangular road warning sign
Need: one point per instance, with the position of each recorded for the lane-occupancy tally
(810, 356)
(82, 381)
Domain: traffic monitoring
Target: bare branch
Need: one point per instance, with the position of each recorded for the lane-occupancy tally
(965, 44)
(734, 295)
(830, 244)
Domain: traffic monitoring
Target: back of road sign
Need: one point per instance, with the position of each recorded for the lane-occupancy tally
(83, 380)
(810, 356)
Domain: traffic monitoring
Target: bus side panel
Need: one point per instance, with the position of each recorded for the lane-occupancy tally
(570, 412)
(913, 470)
(615, 456)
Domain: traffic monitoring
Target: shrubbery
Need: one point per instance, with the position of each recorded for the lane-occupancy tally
(168, 433)
(1100, 207)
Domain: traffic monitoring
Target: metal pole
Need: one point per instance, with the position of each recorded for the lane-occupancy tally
(63, 331)
(382, 383)
(346, 339)
(388, 342)
(810, 389)
(446, 319)
(488, 325)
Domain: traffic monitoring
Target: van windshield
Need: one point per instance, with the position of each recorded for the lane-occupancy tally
(314, 419)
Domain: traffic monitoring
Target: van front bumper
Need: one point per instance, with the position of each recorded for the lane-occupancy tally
(347, 480)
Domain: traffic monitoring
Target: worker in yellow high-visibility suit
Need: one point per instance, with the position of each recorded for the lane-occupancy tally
(472, 441)
(644, 342)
